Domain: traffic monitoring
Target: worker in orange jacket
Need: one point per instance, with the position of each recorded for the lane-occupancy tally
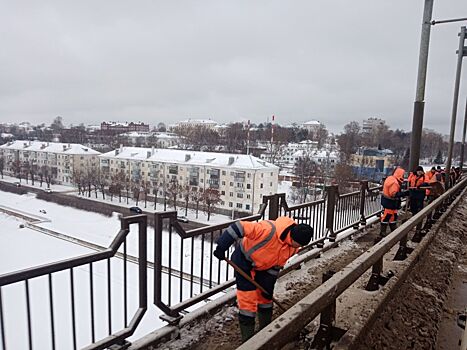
(263, 249)
(391, 200)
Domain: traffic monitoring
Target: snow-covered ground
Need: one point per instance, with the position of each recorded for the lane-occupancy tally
(54, 188)
(23, 248)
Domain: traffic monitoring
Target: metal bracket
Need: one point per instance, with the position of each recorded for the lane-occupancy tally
(325, 335)
(122, 346)
(171, 320)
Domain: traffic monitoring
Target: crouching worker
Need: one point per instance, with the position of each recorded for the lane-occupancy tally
(263, 249)
(391, 201)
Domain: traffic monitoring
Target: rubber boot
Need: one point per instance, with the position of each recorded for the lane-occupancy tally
(247, 327)
(393, 226)
(382, 232)
(264, 316)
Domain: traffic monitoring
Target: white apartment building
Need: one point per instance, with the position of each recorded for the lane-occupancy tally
(372, 123)
(59, 159)
(311, 126)
(242, 180)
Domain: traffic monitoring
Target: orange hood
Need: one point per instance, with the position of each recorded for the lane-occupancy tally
(399, 174)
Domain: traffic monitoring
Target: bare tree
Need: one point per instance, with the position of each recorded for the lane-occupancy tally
(2, 165)
(173, 190)
(196, 197)
(211, 198)
(16, 167)
(304, 169)
(76, 178)
(25, 170)
(32, 172)
(186, 195)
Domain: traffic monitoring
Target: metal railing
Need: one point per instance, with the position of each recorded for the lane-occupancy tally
(186, 272)
(190, 254)
(74, 270)
(323, 299)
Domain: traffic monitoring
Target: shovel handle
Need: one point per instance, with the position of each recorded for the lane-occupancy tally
(256, 284)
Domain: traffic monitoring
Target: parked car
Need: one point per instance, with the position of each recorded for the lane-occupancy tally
(182, 219)
(17, 184)
(136, 210)
(47, 190)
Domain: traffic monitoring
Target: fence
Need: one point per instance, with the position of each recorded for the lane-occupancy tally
(49, 305)
(191, 251)
(323, 299)
(185, 271)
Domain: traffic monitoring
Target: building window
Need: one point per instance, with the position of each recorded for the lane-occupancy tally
(231, 194)
(248, 196)
(270, 184)
(223, 193)
(223, 183)
(262, 175)
(248, 186)
(239, 205)
(230, 204)
(239, 195)
(231, 183)
(261, 186)
(223, 172)
(247, 206)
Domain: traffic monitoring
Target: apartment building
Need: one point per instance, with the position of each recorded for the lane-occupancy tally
(60, 160)
(119, 127)
(242, 180)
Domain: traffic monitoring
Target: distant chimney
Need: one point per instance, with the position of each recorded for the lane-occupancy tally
(43, 146)
(152, 150)
(231, 160)
(121, 147)
(64, 147)
(187, 157)
(25, 144)
(47, 144)
(116, 152)
(148, 153)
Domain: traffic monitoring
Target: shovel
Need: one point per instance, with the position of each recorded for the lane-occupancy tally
(245, 275)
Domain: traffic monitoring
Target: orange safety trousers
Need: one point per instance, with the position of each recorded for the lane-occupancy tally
(389, 216)
(250, 298)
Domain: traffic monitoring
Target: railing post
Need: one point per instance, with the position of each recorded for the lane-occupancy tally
(172, 317)
(274, 207)
(373, 283)
(363, 190)
(327, 331)
(332, 193)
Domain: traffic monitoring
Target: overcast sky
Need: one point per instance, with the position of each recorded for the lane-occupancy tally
(331, 60)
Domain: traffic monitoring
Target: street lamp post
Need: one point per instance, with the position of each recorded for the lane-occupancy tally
(419, 104)
(463, 137)
(462, 51)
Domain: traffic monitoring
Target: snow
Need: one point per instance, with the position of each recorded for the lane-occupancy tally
(54, 188)
(52, 147)
(240, 161)
(23, 248)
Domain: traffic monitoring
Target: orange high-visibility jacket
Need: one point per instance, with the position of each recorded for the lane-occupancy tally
(392, 184)
(263, 245)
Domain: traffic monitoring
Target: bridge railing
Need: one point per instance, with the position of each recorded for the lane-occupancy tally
(186, 272)
(323, 299)
(49, 318)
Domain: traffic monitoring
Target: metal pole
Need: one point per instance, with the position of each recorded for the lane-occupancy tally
(419, 104)
(460, 55)
(463, 138)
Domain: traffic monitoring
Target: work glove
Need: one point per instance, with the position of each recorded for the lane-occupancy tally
(219, 254)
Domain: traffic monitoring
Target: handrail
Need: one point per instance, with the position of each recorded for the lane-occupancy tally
(85, 259)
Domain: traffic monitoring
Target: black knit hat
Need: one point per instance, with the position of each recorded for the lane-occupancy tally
(419, 168)
(301, 234)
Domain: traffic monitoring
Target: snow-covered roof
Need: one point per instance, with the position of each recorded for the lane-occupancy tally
(198, 121)
(53, 147)
(312, 122)
(236, 161)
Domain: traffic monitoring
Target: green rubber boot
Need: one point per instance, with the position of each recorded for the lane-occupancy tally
(264, 317)
(247, 327)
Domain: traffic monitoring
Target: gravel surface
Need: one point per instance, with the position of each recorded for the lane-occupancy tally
(411, 320)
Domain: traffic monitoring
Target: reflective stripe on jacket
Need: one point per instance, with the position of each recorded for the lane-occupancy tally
(262, 242)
